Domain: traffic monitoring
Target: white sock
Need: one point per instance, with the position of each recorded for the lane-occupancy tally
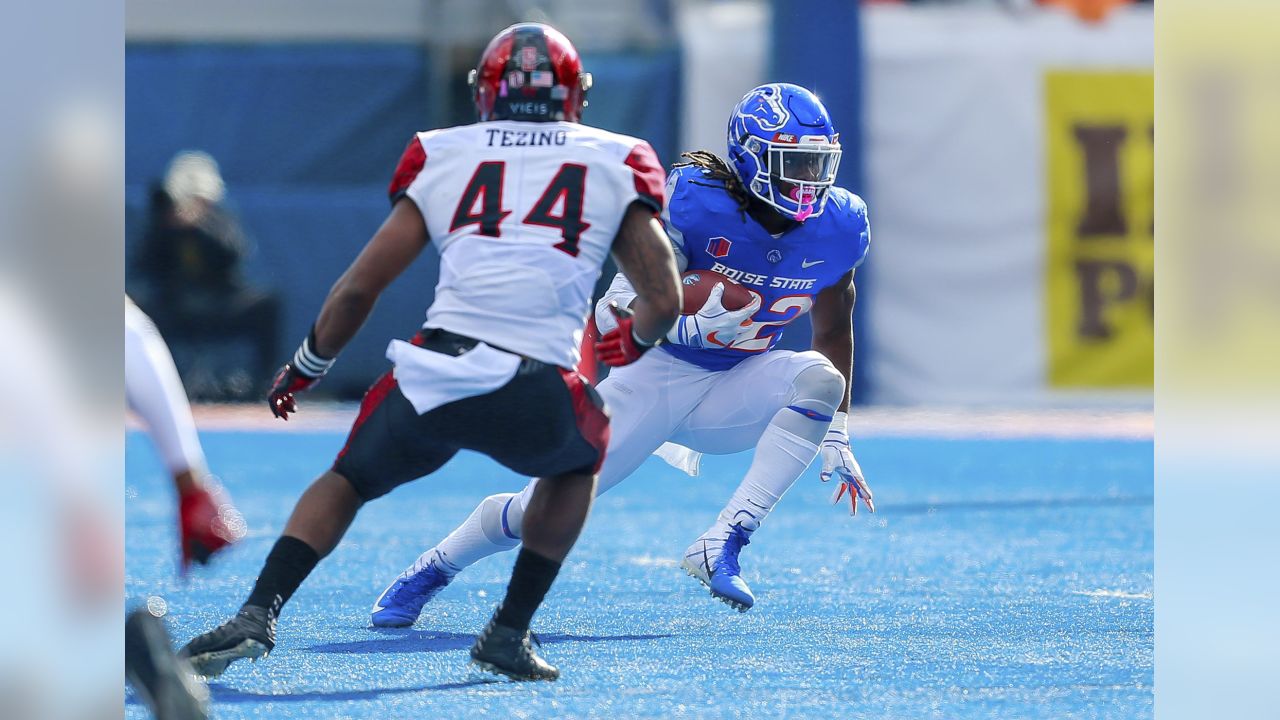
(480, 536)
(781, 457)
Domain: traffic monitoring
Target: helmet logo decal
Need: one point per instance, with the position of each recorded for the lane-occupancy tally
(528, 58)
(765, 105)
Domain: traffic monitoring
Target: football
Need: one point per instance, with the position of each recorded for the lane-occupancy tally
(698, 284)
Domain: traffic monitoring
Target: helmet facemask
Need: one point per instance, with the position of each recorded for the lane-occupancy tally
(793, 177)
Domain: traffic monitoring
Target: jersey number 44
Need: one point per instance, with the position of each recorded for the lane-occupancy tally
(481, 204)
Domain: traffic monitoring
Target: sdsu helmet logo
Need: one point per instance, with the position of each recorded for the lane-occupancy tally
(765, 106)
(529, 58)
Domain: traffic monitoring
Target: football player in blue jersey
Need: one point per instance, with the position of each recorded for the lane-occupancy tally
(771, 219)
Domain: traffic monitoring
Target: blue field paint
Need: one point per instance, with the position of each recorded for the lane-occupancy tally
(998, 579)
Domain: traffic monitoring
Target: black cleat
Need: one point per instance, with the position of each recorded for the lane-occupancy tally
(250, 634)
(506, 651)
(161, 679)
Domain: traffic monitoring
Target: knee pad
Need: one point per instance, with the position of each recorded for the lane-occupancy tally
(818, 386)
(501, 518)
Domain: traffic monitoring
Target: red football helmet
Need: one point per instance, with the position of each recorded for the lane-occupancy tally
(530, 71)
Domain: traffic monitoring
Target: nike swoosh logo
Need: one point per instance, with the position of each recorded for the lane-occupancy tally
(806, 264)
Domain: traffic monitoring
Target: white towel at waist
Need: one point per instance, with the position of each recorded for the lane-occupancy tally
(429, 379)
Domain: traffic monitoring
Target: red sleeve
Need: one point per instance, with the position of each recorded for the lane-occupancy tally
(648, 174)
(411, 162)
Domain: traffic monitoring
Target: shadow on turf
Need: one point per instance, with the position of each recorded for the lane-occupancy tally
(411, 641)
(223, 694)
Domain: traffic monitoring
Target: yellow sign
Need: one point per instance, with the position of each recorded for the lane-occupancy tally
(1100, 260)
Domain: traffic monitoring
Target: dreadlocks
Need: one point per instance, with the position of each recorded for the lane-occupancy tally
(715, 168)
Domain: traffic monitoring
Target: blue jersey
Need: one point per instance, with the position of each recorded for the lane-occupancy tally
(786, 271)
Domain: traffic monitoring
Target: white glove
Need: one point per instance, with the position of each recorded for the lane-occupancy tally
(713, 325)
(838, 461)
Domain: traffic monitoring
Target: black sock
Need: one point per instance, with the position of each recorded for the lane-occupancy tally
(288, 564)
(530, 581)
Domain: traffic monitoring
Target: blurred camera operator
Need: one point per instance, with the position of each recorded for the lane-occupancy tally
(187, 273)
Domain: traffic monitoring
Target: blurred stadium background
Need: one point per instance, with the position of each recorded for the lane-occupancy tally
(1004, 147)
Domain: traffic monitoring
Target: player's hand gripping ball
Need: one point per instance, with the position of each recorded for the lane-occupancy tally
(697, 285)
(715, 310)
(838, 462)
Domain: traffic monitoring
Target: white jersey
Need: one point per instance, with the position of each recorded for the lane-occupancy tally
(523, 215)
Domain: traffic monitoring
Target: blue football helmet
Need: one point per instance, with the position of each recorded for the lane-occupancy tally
(784, 148)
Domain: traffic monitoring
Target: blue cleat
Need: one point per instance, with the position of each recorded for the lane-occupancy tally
(401, 603)
(713, 560)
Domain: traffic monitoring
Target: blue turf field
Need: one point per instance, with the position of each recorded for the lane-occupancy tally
(1000, 578)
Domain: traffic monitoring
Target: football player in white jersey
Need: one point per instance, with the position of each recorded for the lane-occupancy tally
(523, 207)
(771, 217)
(207, 521)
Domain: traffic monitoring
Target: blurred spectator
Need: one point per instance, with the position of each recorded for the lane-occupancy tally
(187, 275)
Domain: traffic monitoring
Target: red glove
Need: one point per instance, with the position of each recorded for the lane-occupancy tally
(300, 374)
(620, 346)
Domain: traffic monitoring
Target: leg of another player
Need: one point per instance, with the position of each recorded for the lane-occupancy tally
(208, 521)
(319, 520)
(154, 391)
(555, 516)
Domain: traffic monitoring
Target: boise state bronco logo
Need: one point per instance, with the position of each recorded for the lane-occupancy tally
(765, 106)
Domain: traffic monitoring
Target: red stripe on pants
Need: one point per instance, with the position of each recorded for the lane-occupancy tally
(372, 399)
(592, 422)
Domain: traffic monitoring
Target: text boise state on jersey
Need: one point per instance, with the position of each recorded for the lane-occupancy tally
(785, 272)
